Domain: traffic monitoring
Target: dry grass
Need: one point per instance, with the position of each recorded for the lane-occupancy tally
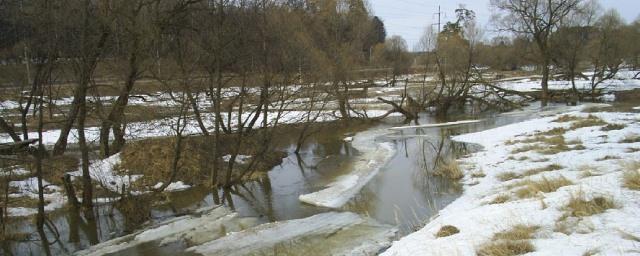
(450, 169)
(566, 118)
(527, 148)
(506, 248)
(554, 132)
(532, 188)
(631, 138)
(507, 176)
(578, 206)
(518, 232)
(632, 150)
(590, 121)
(631, 176)
(548, 168)
(500, 199)
(607, 158)
(515, 241)
(613, 127)
(447, 230)
(478, 174)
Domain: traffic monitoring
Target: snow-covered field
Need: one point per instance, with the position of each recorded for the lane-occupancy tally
(498, 180)
(621, 82)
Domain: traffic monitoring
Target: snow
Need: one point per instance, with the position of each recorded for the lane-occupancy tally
(103, 171)
(478, 220)
(240, 159)
(164, 127)
(366, 165)
(53, 196)
(332, 233)
(621, 82)
(174, 186)
(437, 125)
(348, 139)
(636, 108)
(21, 211)
(13, 171)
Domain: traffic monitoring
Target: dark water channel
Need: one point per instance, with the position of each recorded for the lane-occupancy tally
(403, 194)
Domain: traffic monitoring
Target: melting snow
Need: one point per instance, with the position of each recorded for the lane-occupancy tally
(373, 157)
(478, 220)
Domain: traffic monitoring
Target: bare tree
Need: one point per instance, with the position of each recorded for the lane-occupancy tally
(607, 49)
(538, 19)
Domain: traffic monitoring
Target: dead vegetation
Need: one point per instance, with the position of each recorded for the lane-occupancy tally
(500, 199)
(449, 169)
(578, 206)
(590, 121)
(515, 241)
(447, 230)
(613, 127)
(580, 122)
(549, 145)
(548, 168)
(507, 176)
(566, 118)
(631, 176)
(153, 159)
(531, 188)
(631, 138)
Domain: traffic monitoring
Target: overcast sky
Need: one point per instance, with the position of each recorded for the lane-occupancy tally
(408, 18)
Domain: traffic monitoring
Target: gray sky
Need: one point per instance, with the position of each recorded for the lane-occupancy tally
(408, 18)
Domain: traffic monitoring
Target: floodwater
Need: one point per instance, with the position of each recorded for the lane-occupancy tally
(403, 194)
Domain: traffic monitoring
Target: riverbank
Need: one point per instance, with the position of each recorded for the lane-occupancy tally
(564, 184)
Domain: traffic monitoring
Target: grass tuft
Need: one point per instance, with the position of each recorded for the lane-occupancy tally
(507, 176)
(566, 118)
(631, 138)
(590, 121)
(450, 169)
(532, 188)
(613, 127)
(447, 230)
(631, 176)
(555, 132)
(500, 199)
(578, 206)
(548, 168)
(515, 241)
(518, 232)
(506, 248)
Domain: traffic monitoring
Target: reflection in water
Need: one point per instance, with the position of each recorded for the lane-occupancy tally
(404, 193)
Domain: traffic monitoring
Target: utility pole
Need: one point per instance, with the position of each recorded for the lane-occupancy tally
(439, 13)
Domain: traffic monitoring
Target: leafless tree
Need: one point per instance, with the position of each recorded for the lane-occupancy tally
(538, 19)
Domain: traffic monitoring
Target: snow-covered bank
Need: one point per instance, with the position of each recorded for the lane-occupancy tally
(366, 165)
(524, 183)
(331, 233)
(165, 127)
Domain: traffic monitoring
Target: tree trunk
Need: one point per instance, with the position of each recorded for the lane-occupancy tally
(545, 82)
(87, 189)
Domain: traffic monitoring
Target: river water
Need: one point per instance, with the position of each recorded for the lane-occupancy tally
(404, 193)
